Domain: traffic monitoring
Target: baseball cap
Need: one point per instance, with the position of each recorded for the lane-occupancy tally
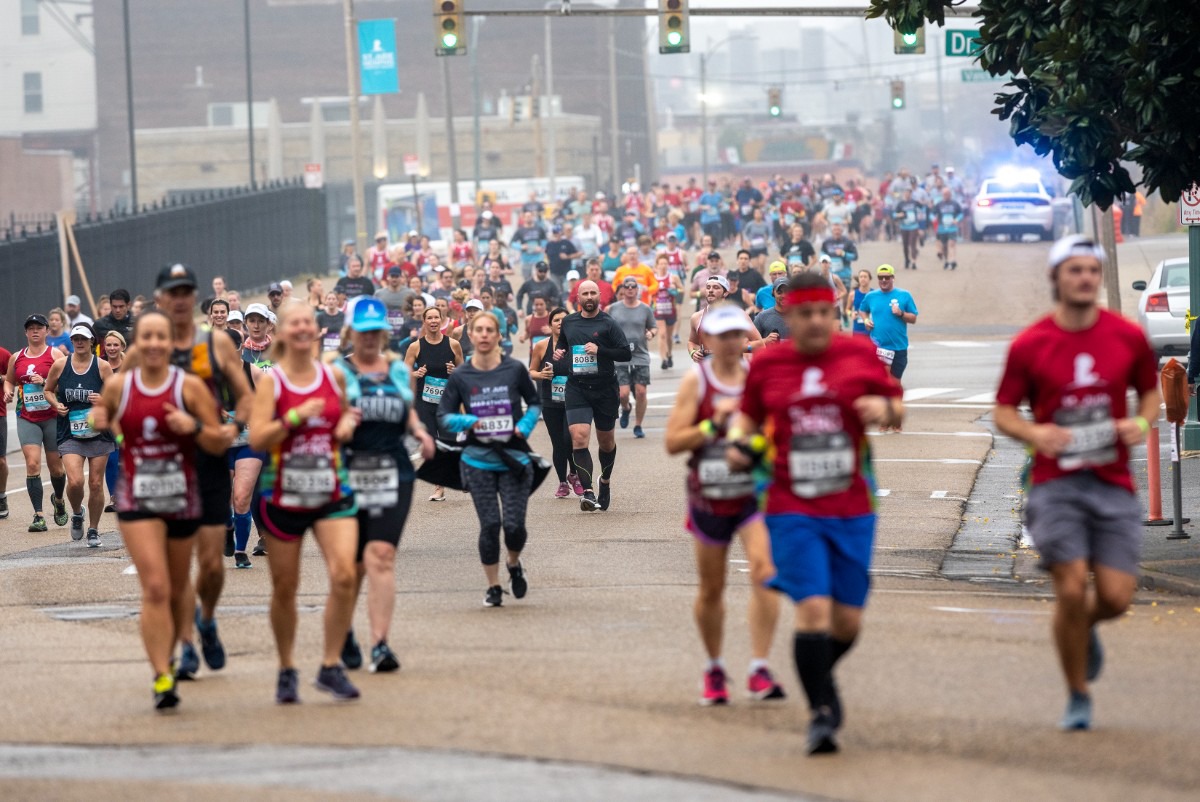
(572, 274)
(381, 235)
(1074, 245)
(825, 258)
(777, 283)
(82, 331)
(721, 318)
(271, 317)
(369, 314)
(885, 270)
(275, 287)
(234, 314)
(346, 242)
(258, 309)
(777, 267)
(673, 236)
(394, 271)
(542, 266)
(72, 300)
(712, 255)
(414, 233)
(721, 280)
(474, 303)
(36, 320)
(176, 275)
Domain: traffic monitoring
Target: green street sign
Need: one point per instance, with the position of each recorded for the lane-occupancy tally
(962, 42)
(982, 76)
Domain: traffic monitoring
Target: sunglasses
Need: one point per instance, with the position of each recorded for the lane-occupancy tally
(886, 278)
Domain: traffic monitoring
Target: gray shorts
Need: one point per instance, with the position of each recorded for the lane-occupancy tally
(1081, 517)
(44, 434)
(92, 447)
(639, 374)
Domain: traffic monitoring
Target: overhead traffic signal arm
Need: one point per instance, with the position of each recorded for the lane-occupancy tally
(673, 27)
(448, 29)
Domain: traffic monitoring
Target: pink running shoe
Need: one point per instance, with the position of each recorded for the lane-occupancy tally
(761, 686)
(563, 491)
(713, 686)
(576, 485)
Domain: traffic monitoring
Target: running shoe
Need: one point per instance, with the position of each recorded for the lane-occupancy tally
(93, 539)
(333, 680)
(1095, 656)
(240, 560)
(576, 485)
(60, 510)
(287, 687)
(3, 508)
(762, 686)
(229, 541)
(564, 490)
(189, 662)
(517, 581)
(351, 653)
(714, 690)
(588, 502)
(664, 364)
(260, 548)
(820, 734)
(1078, 715)
(165, 697)
(625, 417)
(38, 524)
(210, 643)
(383, 660)
(77, 526)
(111, 506)
(605, 497)
(671, 359)
(638, 433)
(494, 597)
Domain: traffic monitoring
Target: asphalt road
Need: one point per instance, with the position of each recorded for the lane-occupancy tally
(587, 688)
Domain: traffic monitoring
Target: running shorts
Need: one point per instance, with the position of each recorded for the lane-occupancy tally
(238, 453)
(88, 449)
(718, 530)
(637, 374)
(1082, 517)
(216, 488)
(828, 557)
(176, 529)
(44, 434)
(587, 402)
(292, 524)
(385, 524)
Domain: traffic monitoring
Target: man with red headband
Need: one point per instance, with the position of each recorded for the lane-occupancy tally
(814, 396)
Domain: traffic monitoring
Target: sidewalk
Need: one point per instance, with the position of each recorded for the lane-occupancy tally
(1171, 565)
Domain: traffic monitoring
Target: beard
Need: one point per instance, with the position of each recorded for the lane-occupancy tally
(590, 305)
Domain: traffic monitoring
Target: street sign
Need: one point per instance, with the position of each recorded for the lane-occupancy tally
(1189, 207)
(982, 76)
(412, 165)
(314, 176)
(962, 43)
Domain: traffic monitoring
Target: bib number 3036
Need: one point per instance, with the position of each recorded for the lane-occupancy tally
(821, 464)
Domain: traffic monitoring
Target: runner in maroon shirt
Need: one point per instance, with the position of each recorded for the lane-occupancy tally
(1074, 367)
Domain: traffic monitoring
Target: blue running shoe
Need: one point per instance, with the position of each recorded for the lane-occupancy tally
(1078, 715)
(1095, 657)
(210, 643)
(189, 662)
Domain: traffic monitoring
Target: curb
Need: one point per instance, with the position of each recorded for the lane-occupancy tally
(1156, 580)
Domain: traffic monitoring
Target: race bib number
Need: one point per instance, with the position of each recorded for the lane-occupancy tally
(432, 390)
(159, 486)
(886, 355)
(717, 481)
(789, 219)
(494, 413)
(558, 389)
(664, 306)
(583, 363)
(80, 428)
(33, 398)
(820, 464)
(910, 216)
(746, 209)
(375, 480)
(948, 220)
(306, 481)
(694, 206)
(835, 263)
(758, 243)
(395, 319)
(332, 341)
(1093, 437)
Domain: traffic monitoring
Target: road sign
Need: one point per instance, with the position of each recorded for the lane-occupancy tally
(314, 176)
(1189, 207)
(962, 43)
(982, 76)
(412, 165)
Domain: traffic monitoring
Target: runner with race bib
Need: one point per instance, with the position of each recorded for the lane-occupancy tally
(432, 359)
(551, 375)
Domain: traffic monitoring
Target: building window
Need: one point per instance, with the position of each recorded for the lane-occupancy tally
(30, 22)
(33, 93)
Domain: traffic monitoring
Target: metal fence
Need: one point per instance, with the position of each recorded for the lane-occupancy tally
(250, 237)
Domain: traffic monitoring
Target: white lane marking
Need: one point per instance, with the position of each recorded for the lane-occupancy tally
(928, 392)
(130, 570)
(990, 611)
(930, 434)
(741, 562)
(882, 493)
(964, 344)
(945, 494)
(947, 406)
(939, 461)
(982, 398)
(25, 489)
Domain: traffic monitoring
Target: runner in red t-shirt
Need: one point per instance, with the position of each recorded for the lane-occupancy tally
(5, 356)
(1074, 367)
(812, 399)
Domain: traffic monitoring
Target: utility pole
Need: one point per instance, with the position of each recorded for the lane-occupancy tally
(451, 149)
(551, 158)
(360, 213)
(704, 119)
(133, 182)
(476, 22)
(249, 92)
(937, 52)
(539, 153)
(615, 133)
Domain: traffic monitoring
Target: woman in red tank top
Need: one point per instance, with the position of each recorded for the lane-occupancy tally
(301, 418)
(160, 417)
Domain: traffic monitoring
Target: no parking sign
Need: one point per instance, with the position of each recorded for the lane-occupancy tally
(1189, 207)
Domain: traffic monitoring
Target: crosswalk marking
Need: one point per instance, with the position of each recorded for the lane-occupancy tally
(963, 343)
(982, 398)
(928, 392)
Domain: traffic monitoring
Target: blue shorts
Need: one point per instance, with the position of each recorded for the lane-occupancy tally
(822, 556)
(238, 453)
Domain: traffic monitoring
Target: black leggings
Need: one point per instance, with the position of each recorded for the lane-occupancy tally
(560, 439)
(489, 490)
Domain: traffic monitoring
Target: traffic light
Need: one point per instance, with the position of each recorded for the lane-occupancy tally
(897, 95)
(673, 26)
(448, 29)
(910, 43)
(775, 101)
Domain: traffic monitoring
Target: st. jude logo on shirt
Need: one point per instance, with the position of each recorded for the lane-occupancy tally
(1085, 375)
(812, 383)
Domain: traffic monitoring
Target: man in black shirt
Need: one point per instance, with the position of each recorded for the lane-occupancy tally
(499, 285)
(592, 341)
(560, 252)
(541, 285)
(118, 319)
(354, 283)
(747, 277)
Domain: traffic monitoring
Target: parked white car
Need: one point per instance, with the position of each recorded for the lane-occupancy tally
(1013, 202)
(1161, 308)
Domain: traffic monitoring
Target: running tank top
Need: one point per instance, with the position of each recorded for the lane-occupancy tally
(200, 359)
(554, 392)
(664, 301)
(32, 404)
(433, 358)
(710, 484)
(306, 471)
(539, 329)
(158, 467)
(376, 457)
(74, 391)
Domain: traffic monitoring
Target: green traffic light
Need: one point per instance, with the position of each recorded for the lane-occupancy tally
(909, 39)
(674, 38)
(897, 103)
(776, 111)
(449, 40)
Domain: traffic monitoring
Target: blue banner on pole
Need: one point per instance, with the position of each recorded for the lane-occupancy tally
(377, 57)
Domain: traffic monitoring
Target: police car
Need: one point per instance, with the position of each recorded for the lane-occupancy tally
(1013, 202)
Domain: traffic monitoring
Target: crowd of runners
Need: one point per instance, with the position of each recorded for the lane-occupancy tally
(198, 420)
